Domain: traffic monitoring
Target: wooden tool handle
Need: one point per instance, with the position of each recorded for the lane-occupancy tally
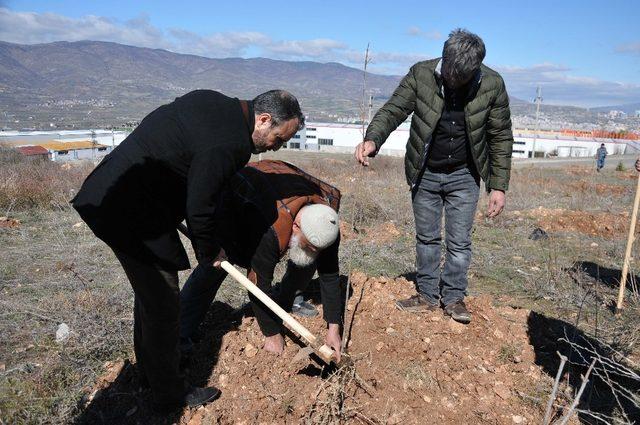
(325, 352)
(627, 254)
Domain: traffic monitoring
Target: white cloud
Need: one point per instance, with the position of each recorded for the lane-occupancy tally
(216, 45)
(429, 35)
(559, 85)
(30, 28)
(318, 48)
(633, 48)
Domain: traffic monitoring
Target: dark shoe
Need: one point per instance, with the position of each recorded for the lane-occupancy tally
(304, 309)
(195, 396)
(458, 311)
(416, 304)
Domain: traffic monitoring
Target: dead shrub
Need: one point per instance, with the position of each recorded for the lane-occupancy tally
(35, 183)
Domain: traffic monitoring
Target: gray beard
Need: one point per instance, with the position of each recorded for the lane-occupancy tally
(257, 149)
(299, 256)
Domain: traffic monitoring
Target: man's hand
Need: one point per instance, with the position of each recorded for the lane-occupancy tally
(274, 344)
(496, 203)
(333, 340)
(222, 256)
(364, 150)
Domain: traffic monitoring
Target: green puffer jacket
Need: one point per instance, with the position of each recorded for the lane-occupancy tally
(487, 118)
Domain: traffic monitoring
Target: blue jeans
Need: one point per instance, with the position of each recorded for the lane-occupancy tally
(457, 193)
(600, 163)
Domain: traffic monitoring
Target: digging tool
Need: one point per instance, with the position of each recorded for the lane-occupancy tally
(627, 254)
(324, 351)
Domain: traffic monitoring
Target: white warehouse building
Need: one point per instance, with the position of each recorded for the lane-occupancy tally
(342, 138)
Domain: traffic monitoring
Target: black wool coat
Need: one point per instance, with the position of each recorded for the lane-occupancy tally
(172, 167)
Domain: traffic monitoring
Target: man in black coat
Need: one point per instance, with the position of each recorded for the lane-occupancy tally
(169, 169)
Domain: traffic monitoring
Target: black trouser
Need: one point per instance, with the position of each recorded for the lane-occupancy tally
(155, 328)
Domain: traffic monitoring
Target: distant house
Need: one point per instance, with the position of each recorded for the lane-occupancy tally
(34, 151)
(78, 149)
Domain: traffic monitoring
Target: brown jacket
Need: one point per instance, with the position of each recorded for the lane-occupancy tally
(288, 202)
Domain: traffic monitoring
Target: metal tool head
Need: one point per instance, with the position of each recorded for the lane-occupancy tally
(303, 354)
(308, 352)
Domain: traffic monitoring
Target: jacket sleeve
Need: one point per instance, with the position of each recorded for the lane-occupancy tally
(500, 141)
(393, 113)
(208, 172)
(330, 289)
(331, 295)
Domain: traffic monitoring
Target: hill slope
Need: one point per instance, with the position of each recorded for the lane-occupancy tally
(91, 75)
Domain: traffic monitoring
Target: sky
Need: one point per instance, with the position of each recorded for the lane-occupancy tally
(584, 53)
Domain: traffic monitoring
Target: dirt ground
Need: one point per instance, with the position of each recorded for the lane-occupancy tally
(406, 367)
(601, 224)
(599, 188)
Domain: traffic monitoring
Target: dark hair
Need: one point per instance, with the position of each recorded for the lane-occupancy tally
(462, 56)
(281, 105)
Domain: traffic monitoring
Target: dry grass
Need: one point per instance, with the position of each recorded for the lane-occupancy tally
(36, 183)
(53, 272)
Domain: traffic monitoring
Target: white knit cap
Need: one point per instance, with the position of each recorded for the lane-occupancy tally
(319, 224)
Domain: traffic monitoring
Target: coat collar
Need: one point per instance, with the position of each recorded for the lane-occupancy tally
(249, 117)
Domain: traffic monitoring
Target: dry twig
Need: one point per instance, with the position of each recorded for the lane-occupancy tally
(552, 397)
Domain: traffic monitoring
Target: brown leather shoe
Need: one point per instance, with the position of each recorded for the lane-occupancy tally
(416, 304)
(458, 311)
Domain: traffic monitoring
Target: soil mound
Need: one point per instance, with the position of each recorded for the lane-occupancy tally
(406, 368)
(600, 224)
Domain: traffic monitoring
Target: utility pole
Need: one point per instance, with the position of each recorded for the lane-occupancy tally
(363, 106)
(538, 100)
(94, 142)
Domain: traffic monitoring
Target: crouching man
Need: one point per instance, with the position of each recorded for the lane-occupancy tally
(269, 208)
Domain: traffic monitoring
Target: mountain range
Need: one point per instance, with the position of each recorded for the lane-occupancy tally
(99, 76)
(90, 83)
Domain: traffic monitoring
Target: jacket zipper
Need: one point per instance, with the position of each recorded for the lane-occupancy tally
(423, 161)
(466, 124)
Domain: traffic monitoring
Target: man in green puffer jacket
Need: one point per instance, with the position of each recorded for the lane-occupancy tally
(460, 133)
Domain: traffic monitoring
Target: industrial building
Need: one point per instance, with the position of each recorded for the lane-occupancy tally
(332, 137)
(325, 137)
(63, 145)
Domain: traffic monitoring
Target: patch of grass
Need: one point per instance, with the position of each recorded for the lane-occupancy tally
(537, 396)
(416, 377)
(507, 353)
(287, 404)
